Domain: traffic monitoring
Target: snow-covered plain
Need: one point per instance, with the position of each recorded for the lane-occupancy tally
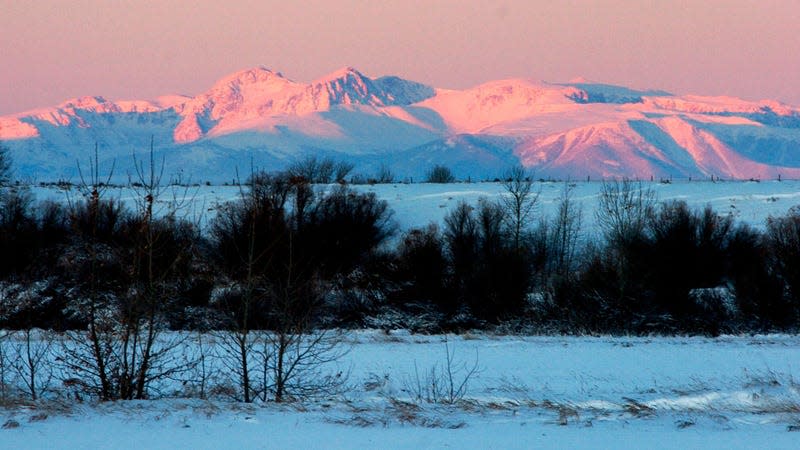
(528, 391)
(418, 204)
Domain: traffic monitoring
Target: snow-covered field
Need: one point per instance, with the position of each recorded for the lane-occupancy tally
(416, 205)
(527, 391)
(751, 202)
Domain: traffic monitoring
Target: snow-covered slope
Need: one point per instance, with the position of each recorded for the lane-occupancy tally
(659, 146)
(258, 99)
(260, 117)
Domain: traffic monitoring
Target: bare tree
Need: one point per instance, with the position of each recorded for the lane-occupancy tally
(203, 372)
(384, 175)
(5, 166)
(3, 366)
(564, 234)
(122, 354)
(140, 330)
(298, 361)
(238, 355)
(89, 354)
(247, 234)
(162, 244)
(297, 353)
(462, 240)
(279, 285)
(520, 201)
(320, 170)
(340, 171)
(623, 210)
(440, 174)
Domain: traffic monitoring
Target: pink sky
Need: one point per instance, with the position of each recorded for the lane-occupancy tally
(53, 50)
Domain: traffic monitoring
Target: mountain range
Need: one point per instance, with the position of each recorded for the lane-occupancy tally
(259, 118)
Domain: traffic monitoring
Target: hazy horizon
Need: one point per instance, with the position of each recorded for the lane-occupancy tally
(54, 50)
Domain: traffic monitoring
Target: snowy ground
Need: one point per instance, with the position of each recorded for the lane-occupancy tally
(528, 392)
(416, 205)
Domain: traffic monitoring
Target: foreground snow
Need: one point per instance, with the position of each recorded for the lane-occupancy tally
(528, 392)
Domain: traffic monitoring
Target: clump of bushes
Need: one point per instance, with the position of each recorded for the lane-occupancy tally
(440, 174)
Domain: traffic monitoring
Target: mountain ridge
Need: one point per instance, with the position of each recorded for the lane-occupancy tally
(574, 129)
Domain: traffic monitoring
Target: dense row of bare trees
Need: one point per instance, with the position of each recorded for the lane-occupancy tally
(289, 257)
(653, 267)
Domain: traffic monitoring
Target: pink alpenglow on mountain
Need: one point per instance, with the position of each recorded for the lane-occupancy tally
(573, 130)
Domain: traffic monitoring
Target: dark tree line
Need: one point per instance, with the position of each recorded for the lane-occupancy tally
(290, 256)
(655, 268)
(668, 268)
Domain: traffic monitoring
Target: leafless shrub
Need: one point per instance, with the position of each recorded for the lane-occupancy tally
(121, 363)
(398, 412)
(783, 243)
(447, 383)
(405, 412)
(235, 351)
(299, 363)
(203, 374)
(768, 378)
(29, 354)
(361, 420)
(517, 390)
(376, 382)
(340, 171)
(440, 174)
(320, 170)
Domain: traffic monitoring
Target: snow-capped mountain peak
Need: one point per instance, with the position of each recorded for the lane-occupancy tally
(339, 74)
(569, 129)
(253, 98)
(86, 102)
(346, 86)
